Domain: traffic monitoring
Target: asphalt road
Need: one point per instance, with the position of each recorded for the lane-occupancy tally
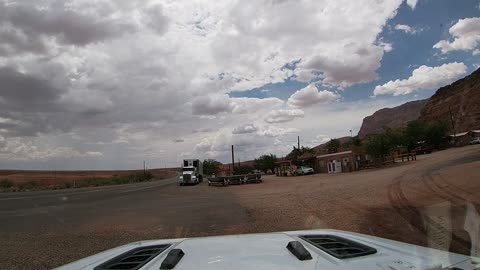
(76, 223)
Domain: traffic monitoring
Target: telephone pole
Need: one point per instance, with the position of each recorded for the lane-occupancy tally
(453, 122)
(298, 142)
(233, 160)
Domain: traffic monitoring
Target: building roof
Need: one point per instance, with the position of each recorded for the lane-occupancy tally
(335, 154)
(459, 134)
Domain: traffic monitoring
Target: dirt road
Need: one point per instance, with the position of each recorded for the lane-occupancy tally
(421, 202)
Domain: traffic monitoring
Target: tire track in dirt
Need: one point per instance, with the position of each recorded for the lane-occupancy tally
(419, 221)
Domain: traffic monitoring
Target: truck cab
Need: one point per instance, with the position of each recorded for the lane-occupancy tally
(192, 172)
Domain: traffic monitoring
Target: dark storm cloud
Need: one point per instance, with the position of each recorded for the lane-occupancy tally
(66, 25)
(26, 93)
(13, 41)
(31, 103)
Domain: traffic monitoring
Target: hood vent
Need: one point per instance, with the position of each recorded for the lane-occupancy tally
(338, 247)
(133, 259)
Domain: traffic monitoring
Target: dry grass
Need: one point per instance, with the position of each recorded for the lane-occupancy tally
(33, 180)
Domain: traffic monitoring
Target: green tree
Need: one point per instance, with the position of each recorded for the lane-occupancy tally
(333, 145)
(395, 137)
(435, 133)
(379, 146)
(354, 141)
(297, 152)
(211, 166)
(265, 163)
(414, 133)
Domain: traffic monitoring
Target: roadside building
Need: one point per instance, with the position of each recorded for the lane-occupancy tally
(463, 138)
(284, 168)
(346, 161)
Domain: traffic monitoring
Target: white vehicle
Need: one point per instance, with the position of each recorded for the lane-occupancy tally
(475, 141)
(192, 172)
(315, 249)
(302, 170)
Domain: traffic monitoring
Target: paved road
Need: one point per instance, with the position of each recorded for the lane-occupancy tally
(56, 227)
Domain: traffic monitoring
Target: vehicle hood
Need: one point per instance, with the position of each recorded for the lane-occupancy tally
(268, 251)
(187, 172)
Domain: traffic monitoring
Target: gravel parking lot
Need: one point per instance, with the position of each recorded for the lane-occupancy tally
(422, 202)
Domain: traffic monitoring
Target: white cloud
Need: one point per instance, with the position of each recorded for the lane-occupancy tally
(284, 115)
(248, 128)
(252, 105)
(466, 37)
(423, 77)
(309, 96)
(320, 139)
(211, 105)
(273, 131)
(93, 154)
(70, 80)
(405, 28)
(412, 3)
(15, 149)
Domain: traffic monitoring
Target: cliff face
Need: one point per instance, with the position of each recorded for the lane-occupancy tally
(459, 100)
(396, 117)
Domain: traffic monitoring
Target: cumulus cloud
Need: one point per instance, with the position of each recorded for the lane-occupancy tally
(155, 18)
(423, 77)
(211, 105)
(17, 150)
(131, 73)
(251, 105)
(247, 128)
(283, 115)
(320, 139)
(309, 96)
(465, 36)
(405, 28)
(412, 3)
(32, 22)
(273, 131)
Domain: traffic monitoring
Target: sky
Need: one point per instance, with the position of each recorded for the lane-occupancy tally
(107, 84)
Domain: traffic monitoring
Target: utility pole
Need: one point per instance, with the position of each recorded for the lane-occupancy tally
(144, 168)
(298, 142)
(351, 134)
(453, 122)
(233, 160)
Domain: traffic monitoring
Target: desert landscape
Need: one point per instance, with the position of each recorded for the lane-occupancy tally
(424, 202)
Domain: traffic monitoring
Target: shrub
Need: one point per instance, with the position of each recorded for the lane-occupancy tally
(28, 185)
(62, 185)
(6, 183)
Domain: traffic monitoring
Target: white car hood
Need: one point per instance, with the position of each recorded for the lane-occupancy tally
(268, 251)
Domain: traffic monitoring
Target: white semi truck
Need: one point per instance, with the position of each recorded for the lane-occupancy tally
(192, 172)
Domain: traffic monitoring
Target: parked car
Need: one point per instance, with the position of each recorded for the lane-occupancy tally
(475, 141)
(302, 170)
